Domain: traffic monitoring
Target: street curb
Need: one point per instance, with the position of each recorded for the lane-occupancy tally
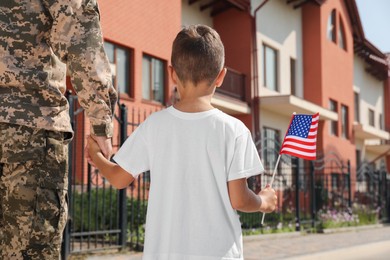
(302, 233)
(272, 236)
(349, 229)
(246, 239)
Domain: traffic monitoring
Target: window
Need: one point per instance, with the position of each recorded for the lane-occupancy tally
(358, 159)
(341, 35)
(292, 77)
(331, 30)
(344, 122)
(271, 147)
(371, 117)
(333, 124)
(153, 79)
(119, 58)
(146, 177)
(357, 107)
(270, 68)
(335, 27)
(381, 122)
(346, 181)
(334, 181)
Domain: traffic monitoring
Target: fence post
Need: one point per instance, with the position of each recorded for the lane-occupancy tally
(297, 206)
(387, 182)
(379, 194)
(65, 247)
(349, 184)
(122, 193)
(313, 195)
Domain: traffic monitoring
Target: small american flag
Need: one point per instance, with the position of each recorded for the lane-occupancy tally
(301, 137)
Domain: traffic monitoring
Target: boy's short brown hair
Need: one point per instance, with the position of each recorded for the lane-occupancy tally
(197, 54)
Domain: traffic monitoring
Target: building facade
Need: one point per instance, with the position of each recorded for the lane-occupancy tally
(282, 57)
(313, 57)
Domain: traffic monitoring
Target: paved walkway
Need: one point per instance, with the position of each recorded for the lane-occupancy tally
(310, 244)
(303, 246)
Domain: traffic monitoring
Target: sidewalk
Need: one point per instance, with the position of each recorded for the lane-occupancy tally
(296, 245)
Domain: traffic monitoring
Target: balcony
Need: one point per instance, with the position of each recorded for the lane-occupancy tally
(375, 140)
(364, 131)
(378, 146)
(233, 85)
(231, 96)
(287, 104)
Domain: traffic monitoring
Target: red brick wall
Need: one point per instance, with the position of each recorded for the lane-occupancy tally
(235, 29)
(328, 72)
(144, 26)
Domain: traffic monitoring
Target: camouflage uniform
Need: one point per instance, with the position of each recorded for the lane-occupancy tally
(41, 41)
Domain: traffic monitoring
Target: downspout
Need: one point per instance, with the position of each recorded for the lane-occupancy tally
(255, 91)
(387, 109)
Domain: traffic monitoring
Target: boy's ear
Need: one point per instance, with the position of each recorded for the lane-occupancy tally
(172, 74)
(220, 77)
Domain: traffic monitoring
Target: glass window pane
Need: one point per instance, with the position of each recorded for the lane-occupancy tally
(341, 39)
(109, 48)
(270, 68)
(146, 82)
(331, 26)
(333, 124)
(357, 108)
(334, 181)
(341, 34)
(271, 147)
(122, 68)
(292, 76)
(158, 86)
(344, 122)
(371, 117)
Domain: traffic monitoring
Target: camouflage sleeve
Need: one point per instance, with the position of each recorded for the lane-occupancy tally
(76, 38)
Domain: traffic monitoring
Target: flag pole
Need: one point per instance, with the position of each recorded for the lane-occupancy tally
(272, 181)
(277, 163)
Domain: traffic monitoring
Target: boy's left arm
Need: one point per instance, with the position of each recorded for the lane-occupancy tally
(245, 200)
(118, 177)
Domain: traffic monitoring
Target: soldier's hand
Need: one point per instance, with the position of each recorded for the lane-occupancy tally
(88, 151)
(93, 147)
(96, 144)
(104, 144)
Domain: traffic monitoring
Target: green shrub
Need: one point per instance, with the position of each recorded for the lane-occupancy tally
(99, 210)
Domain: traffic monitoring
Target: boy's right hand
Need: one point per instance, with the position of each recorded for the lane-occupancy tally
(268, 199)
(93, 146)
(92, 150)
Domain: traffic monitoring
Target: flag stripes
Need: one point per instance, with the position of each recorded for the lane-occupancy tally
(301, 137)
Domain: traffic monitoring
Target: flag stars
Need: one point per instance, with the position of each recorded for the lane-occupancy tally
(300, 126)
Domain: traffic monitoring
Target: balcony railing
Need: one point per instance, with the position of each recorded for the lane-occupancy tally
(233, 85)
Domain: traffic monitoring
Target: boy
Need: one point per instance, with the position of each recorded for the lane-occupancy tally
(199, 159)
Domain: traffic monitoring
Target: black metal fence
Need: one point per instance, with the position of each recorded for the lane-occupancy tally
(103, 218)
(100, 216)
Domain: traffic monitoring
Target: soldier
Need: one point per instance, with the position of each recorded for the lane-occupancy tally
(40, 42)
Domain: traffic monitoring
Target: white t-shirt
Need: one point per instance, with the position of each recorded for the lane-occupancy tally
(191, 157)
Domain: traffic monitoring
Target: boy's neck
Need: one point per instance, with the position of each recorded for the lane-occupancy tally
(195, 98)
(194, 105)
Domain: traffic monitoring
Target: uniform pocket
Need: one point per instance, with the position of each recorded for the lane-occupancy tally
(20, 143)
(56, 161)
(50, 216)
